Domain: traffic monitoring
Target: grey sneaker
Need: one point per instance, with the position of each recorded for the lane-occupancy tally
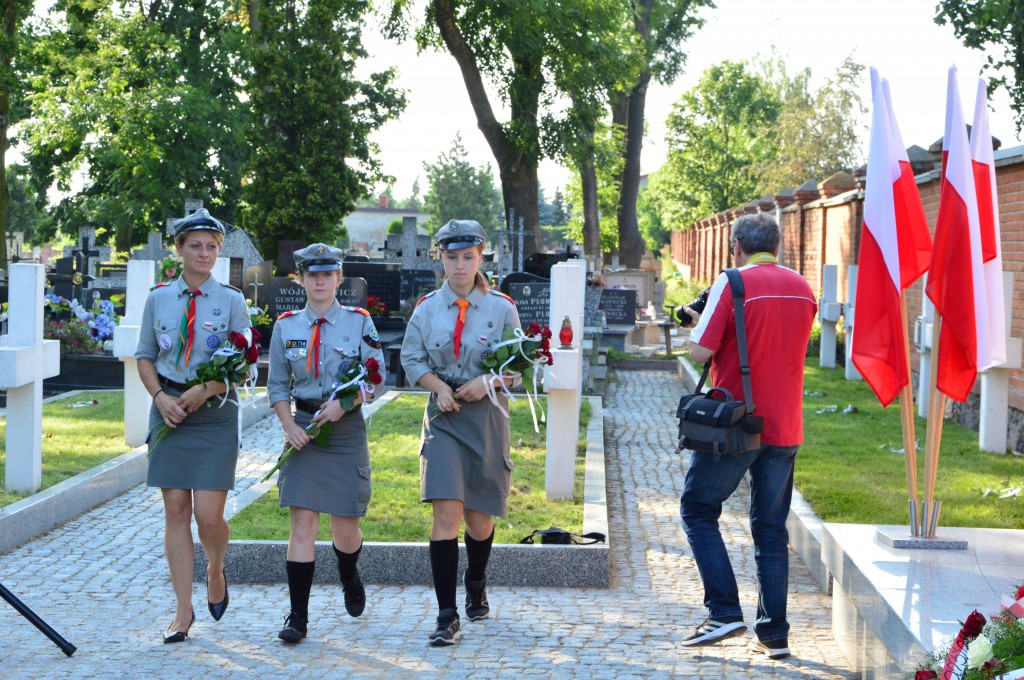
(773, 649)
(712, 630)
(449, 629)
(476, 599)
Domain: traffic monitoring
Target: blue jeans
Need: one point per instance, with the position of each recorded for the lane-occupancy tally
(708, 484)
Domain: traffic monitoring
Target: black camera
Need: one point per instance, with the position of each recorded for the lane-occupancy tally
(697, 305)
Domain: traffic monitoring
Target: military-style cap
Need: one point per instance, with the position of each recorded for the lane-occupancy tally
(200, 219)
(458, 234)
(318, 257)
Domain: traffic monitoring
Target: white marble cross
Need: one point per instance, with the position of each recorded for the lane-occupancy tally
(25, 360)
(126, 339)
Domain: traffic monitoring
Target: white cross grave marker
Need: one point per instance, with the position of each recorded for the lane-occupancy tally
(126, 338)
(25, 360)
(563, 380)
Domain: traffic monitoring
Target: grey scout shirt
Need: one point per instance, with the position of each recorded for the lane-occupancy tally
(219, 310)
(428, 346)
(348, 338)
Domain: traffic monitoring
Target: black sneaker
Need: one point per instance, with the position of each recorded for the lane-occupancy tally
(355, 595)
(715, 630)
(476, 599)
(449, 629)
(773, 649)
(294, 628)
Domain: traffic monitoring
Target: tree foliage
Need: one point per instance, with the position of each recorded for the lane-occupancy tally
(661, 27)
(523, 51)
(997, 28)
(459, 191)
(608, 162)
(13, 43)
(135, 107)
(816, 131)
(719, 133)
(312, 155)
(23, 212)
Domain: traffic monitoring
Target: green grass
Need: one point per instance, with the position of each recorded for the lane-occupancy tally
(847, 472)
(396, 513)
(74, 439)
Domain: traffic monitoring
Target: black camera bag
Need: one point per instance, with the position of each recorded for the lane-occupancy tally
(714, 421)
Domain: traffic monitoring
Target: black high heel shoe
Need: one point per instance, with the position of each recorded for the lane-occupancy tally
(217, 609)
(179, 635)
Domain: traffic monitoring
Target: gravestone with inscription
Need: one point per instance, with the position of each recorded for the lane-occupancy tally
(282, 294)
(383, 280)
(619, 306)
(418, 282)
(533, 301)
(256, 278)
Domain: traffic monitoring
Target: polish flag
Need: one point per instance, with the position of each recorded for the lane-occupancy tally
(956, 284)
(988, 217)
(894, 251)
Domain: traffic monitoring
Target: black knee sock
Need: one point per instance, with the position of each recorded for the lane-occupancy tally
(477, 554)
(444, 565)
(300, 581)
(347, 562)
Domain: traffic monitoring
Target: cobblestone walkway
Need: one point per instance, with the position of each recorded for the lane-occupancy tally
(101, 581)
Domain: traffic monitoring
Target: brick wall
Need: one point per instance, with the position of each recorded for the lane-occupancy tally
(827, 231)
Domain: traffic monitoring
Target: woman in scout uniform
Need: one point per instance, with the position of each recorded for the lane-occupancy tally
(183, 323)
(465, 468)
(307, 350)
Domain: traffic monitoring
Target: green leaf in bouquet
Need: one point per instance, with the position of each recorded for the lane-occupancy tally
(323, 436)
(347, 401)
(502, 354)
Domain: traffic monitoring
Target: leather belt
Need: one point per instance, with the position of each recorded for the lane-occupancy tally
(452, 384)
(310, 407)
(166, 382)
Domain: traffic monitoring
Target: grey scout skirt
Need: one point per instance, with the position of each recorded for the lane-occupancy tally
(201, 453)
(334, 479)
(464, 456)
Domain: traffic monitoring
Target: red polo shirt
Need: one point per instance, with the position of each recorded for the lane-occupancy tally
(779, 308)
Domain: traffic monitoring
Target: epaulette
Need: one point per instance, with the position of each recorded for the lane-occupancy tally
(425, 297)
(497, 292)
(289, 313)
(353, 308)
(162, 284)
(228, 285)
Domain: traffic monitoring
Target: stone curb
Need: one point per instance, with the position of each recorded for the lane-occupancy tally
(34, 516)
(409, 563)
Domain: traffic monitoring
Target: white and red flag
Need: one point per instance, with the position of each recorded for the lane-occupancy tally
(956, 284)
(894, 251)
(984, 167)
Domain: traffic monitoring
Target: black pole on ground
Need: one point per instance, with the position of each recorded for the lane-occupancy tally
(20, 607)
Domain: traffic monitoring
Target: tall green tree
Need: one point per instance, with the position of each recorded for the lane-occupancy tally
(817, 131)
(997, 28)
(518, 49)
(661, 26)
(12, 40)
(134, 108)
(460, 191)
(23, 212)
(312, 154)
(719, 133)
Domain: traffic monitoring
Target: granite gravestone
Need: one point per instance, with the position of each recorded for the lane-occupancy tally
(533, 301)
(256, 277)
(282, 294)
(285, 258)
(383, 281)
(619, 306)
(418, 282)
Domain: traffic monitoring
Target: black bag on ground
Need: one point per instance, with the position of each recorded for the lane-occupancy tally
(714, 421)
(559, 536)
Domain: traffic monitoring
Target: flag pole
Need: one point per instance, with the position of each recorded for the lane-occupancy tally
(907, 419)
(936, 410)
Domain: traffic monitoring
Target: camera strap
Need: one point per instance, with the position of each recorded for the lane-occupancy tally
(736, 285)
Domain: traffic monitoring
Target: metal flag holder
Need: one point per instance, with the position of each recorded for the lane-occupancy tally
(34, 619)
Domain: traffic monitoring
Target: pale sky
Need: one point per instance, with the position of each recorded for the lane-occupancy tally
(898, 37)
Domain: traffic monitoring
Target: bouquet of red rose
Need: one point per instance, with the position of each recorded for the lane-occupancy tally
(518, 355)
(233, 363)
(358, 379)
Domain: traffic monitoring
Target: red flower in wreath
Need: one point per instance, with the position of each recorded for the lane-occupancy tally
(926, 675)
(973, 625)
(238, 340)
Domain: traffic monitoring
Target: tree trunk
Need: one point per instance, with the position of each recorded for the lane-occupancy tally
(519, 186)
(10, 18)
(517, 170)
(631, 244)
(591, 220)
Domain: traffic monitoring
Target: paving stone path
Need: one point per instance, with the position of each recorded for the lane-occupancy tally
(101, 580)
